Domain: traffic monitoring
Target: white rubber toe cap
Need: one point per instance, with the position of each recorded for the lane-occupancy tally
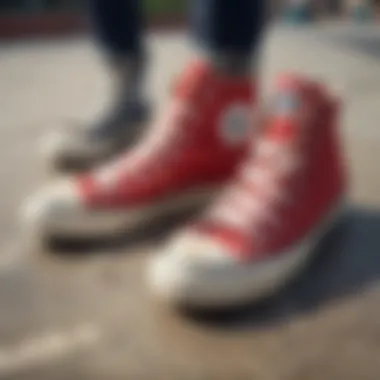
(53, 209)
(59, 211)
(194, 271)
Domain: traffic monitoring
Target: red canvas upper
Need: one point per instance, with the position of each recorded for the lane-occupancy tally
(290, 182)
(184, 150)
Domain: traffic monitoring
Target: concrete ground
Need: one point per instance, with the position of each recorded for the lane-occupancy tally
(89, 316)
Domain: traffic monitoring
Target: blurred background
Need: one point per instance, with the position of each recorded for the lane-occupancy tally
(87, 316)
(25, 17)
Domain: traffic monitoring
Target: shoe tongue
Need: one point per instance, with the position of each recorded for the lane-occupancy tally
(284, 111)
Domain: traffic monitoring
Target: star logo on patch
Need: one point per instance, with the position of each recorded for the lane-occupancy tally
(235, 124)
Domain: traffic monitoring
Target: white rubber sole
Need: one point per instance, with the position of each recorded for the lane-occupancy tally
(89, 224)
(233, 283)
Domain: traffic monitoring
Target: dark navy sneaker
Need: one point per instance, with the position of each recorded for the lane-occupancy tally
(78, 148)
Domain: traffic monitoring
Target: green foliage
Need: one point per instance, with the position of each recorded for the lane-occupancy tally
(165, 6)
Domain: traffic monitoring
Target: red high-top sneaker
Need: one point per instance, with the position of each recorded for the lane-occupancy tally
(188, 153)
(264, 227)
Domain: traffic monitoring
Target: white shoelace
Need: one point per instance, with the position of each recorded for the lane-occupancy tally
(253, 201)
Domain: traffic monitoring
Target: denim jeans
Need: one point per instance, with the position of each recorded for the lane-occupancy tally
(226, 26)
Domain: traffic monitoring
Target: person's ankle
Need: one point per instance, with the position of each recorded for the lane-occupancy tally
(232, 64)
(129, 75)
